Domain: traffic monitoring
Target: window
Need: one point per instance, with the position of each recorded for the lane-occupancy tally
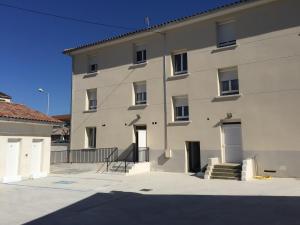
(141, 54)
(229, 83)
(91, 137)
(91, 99)
(180, 63)
(226, 34)
(140, 93)
(93, 68)
(181, 108)
(92, 64)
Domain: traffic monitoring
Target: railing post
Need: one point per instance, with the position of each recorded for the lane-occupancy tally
(125, 165)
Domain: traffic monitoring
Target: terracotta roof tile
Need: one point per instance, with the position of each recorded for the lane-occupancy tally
(22, 112)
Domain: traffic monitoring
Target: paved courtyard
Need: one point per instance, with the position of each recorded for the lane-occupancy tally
(82, 196)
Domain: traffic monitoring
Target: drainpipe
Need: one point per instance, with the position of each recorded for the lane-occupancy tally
(167, 152)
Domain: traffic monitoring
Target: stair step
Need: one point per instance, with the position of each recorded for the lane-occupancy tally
(228, 166)
(226, 174)
(226, 170)
(225, 178)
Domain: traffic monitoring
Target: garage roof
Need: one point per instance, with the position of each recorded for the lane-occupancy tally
(22, 112)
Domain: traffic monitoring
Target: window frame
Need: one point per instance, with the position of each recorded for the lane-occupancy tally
(181, 71)
(229, 42)
(230, 91)
(91, 103)
(91, 143)
(90, 68)
(142, 94)
(143, 52)
(184, 109)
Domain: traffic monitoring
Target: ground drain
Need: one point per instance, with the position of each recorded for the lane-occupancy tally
(146, 189)
(64, 182)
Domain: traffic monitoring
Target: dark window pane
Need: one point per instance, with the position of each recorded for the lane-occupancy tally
(184, 59)
(186, 111)
(177, 63)
(225, 85)
(144, 55)
(178, 111)
(235, 85)
(139, 56)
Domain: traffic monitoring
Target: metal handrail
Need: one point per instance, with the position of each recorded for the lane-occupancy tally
(108, 157)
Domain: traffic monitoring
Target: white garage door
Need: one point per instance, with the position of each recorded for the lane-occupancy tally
(12, 161)
(36, 158)
(232, 143)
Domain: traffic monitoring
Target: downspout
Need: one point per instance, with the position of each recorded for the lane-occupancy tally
(167, 151)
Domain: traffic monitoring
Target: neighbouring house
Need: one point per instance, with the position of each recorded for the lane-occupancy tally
(60, 137)
(24, 142)
(4, 97)
(61, 133)
(220, 86)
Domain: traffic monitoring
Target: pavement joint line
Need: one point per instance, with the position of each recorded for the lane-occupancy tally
(87, 178)
(45, 187)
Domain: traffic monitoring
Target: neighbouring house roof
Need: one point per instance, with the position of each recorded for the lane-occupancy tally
(65, 117)
(161, 25)
(3, 95)
(22, 112)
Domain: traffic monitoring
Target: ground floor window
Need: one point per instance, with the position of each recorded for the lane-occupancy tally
(91, 137)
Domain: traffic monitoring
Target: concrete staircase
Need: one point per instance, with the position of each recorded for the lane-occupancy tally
(131, 168)
(227, 171)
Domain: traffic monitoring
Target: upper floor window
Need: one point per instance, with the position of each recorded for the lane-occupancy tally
(226, 34)
(229, 83)
(140, 54)
(180, 63)
(92, 64)
(91, 99)
(140, 93)
(181, 108)
(91, 137)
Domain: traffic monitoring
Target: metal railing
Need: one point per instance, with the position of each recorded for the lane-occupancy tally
(83, 155)
(109, 157)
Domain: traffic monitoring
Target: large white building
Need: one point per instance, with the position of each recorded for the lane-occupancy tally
(219, 84)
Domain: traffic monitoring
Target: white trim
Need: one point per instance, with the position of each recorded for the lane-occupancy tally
(11, 179)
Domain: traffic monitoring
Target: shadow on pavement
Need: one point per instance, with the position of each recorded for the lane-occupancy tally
(117, 208)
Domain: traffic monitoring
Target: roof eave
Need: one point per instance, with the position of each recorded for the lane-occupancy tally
(160, 28)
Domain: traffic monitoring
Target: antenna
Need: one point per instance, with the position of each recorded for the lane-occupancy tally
(147, 21)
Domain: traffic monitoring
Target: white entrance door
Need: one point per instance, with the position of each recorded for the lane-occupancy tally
(232, 143)
(36, 159)
(12, 162)
(142, 144)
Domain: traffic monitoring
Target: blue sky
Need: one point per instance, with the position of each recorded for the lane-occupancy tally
(31, 44)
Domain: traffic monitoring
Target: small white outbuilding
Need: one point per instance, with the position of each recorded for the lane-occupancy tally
(25, 141)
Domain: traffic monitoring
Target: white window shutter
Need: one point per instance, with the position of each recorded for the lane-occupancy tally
(181, 101)
(140, 87)
(228, 74)
(226, 32)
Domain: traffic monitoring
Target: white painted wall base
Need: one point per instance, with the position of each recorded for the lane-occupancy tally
(248, 169)
(139, 168)
(39, 175)
(11, 179)
(210, 166)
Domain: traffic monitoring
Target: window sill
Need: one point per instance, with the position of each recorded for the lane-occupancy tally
(225, 48)
(180, 123)
(226, 98)
(90, 111)
(90, 75)
(178, 77)
(138, 65)
(134, 107)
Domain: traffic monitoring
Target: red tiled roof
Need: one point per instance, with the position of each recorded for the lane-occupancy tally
(65, 117)
(22, 112)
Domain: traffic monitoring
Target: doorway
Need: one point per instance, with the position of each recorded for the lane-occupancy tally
(193, 156)
(140, 153)
(36, 158)
(232, 142)
(12, 161)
